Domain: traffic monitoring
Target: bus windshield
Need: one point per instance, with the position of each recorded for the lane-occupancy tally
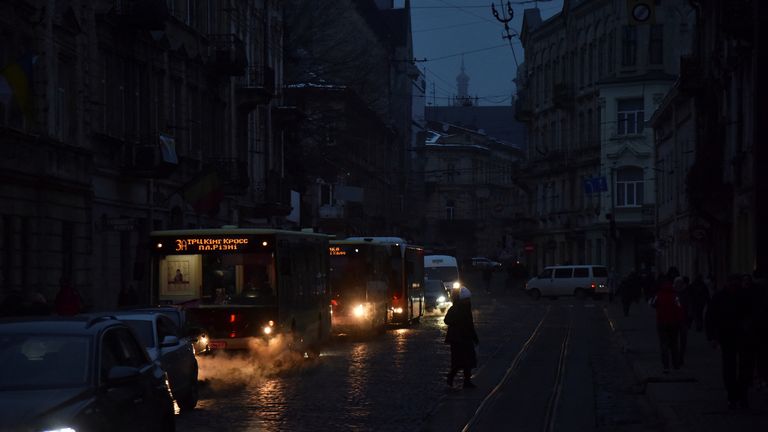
(445, 274)
(246, 278)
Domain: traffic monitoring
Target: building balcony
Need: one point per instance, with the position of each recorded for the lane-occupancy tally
(256, 87)
(233, 174)
(227, 54)
(149, 156)
(141, 14)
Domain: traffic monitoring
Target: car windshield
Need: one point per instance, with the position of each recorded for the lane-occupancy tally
(144, 331)
(445, 274)
(32, 361)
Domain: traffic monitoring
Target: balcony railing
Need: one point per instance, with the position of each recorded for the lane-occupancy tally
(227, 54)
(255, 87)
(148, 156)
(141, 14)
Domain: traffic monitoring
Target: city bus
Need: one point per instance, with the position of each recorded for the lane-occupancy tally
(241, 284)
(405, 281)
(359, 281)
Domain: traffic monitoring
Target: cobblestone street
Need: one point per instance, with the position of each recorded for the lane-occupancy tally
(395, 381)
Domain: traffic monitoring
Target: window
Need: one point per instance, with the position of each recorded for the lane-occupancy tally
(656, 45)
(629, 46)
(562, 273)
(450, 173)
(450, 210)
(581, 272)
(630, 117)
(546, 274)
(629, 187)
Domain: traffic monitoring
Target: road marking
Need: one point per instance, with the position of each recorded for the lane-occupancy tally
(554, 400)
(512, 368)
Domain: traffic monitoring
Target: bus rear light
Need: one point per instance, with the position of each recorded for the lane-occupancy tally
(334, 302)
(232, 318)
(233, 334)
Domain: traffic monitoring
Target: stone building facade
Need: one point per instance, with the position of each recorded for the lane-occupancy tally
(131, 116)
(590, 74)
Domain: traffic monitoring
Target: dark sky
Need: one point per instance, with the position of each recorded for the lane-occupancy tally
(442, 29)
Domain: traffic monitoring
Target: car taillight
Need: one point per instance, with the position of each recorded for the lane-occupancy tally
(232, 318)
(594, 286)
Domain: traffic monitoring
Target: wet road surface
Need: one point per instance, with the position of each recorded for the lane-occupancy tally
(396, 381)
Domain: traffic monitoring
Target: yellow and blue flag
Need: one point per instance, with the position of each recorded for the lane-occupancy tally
(16, 82)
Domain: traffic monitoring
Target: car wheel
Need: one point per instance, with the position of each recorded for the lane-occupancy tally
(189, 400)
(535, 294)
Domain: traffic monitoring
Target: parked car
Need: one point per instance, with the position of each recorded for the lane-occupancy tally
(81, 374)
(197, 336)
(165, 344)
(482, 263)
(435, 295)
(576, 280)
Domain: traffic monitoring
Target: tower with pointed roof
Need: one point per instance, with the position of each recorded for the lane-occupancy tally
(462, 85)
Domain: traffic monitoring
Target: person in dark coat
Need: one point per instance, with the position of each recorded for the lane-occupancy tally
(629, 291)
(461, 336)
(730, 324)
(699, 294)
(669, 319)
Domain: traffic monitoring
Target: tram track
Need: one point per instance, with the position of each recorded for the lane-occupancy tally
(553, 402)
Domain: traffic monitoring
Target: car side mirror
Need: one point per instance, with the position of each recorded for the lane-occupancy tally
(169, 341)
(122, 374)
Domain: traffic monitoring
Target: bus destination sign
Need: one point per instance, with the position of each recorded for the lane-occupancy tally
(336, 251)
(207, 244)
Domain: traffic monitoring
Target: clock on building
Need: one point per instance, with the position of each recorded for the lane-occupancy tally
(641, 12)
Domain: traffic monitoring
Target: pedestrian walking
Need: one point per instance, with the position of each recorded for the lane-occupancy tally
(461, 336)
(629, 291)
(699, 295)
(681, 290)
(669, 318)
(730, 325)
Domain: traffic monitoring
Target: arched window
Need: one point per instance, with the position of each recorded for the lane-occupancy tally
(629, 187)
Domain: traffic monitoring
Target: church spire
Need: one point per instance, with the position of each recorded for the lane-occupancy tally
(462, 85)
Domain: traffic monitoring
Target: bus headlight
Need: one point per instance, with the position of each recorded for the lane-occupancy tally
(358, 311)
(268, 328)
(457, 284)
(441, 299)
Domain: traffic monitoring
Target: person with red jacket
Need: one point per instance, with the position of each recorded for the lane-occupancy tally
(68, 301)
(669, 319)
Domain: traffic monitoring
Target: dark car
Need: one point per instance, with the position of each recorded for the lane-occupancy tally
(81, 374)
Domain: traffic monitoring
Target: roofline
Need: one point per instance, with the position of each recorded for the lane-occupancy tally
(236, 231)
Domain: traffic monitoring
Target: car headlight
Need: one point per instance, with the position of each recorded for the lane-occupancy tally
(398, 310)
(267, 330)
(441, 299)
(359, 311)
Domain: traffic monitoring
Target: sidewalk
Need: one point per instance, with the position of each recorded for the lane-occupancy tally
(693, 398)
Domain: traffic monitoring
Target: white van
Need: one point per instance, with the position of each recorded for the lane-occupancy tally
(576, 280)
(442, 267)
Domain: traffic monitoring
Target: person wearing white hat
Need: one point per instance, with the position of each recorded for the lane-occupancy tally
(461, 336)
